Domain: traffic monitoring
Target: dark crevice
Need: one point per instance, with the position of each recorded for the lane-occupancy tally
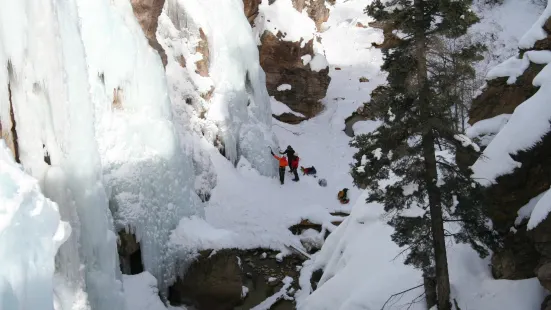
(13, 129)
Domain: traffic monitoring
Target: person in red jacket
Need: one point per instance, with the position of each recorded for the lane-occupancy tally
(282, 164)
(294, 166)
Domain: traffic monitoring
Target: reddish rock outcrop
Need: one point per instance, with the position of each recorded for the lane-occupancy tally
(281, 60)
(251, 9)
(282, 63)
(203, 49)
(147, 13)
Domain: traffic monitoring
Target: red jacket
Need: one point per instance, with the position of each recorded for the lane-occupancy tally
(294, 163)
(282, 161)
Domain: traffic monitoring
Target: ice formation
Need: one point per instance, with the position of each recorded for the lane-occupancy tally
(30, 233)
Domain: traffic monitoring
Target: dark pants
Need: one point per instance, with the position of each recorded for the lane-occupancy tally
(295, 172)
(282, 175)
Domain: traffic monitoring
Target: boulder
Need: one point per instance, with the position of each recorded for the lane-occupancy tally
(544, 275)
(147, 13)
(281, 60)
(212, 282)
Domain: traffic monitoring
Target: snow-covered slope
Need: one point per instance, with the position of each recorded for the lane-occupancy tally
(500, 28)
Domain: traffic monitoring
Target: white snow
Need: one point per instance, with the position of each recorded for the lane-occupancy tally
(511, 68)
(526, 211)
(362, 270)
(279, 108)
(279, 257)
(284, 87)
(365, 127)
(30, 234)
(244, 291)
(318, 63)
(141, 292)
(500, 28)
(282, 17)
(270, 301)
(306, 59)
(485, 130)
(541, 210)
(536, 32)
(466, 141)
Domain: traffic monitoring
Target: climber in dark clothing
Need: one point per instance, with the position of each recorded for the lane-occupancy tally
(293, 161)
(290, 155)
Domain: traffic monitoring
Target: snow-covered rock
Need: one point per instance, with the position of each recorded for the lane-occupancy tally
(291, 53)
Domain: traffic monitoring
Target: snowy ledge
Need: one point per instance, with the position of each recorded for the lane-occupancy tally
(514, 67)
(516, 135)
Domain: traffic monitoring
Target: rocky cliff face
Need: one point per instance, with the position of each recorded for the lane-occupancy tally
(286, 61)
(147, 13)
(525, 253)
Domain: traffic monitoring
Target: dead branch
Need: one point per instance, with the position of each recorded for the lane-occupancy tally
(399, 294)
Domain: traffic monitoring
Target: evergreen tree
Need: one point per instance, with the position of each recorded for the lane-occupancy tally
(419, 120)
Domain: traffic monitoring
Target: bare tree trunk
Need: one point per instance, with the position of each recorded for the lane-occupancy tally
(431, 174)
(430, 290)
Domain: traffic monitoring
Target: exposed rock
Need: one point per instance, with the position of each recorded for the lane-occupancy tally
(500, 98)
(215, 281)
(546, 304)
(390, 39)
(130, 255)
(544, 275)
(203, 49)
(8, 131)
(541, 237)
(147, 13)
(316, 9)
(512, 191)
(518, 259)
(289, 118)
(544, 44)
(281, 60)
(211, 283)
(522, 251)
(251, 9)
